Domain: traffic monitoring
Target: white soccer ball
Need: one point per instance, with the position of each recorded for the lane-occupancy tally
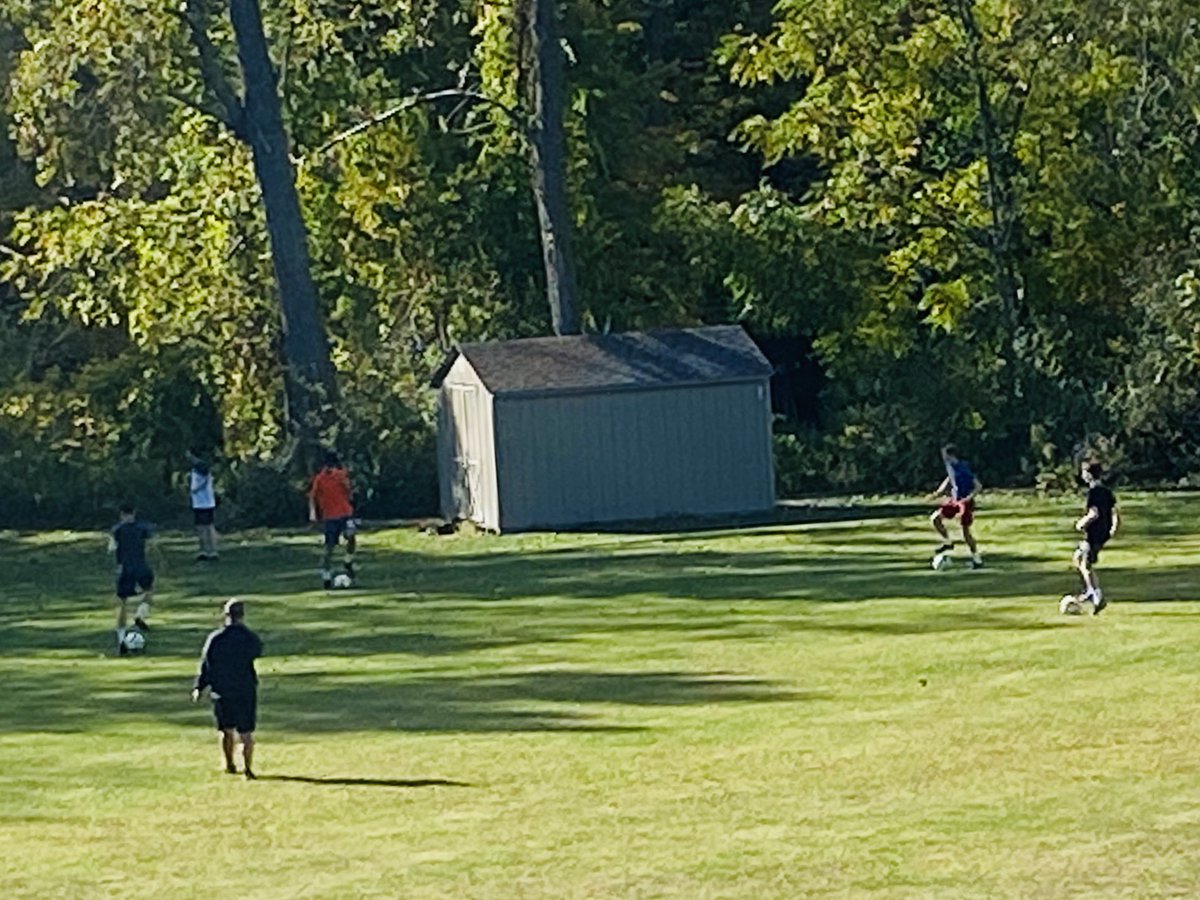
(1070, 605)
(134, 641)
(941, 562)
(341, 581)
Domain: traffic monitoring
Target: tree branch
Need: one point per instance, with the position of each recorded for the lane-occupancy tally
(228, 108)
(415, 100)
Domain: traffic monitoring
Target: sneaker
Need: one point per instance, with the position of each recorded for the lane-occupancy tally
(231, 769)
(122, 650)
(327, 581)
(141, 623)
(250, 776)
(349, 567)
(1098, 603)
(976, 562)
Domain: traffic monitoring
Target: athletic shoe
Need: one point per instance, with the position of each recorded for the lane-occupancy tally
(141, 623)
(328, 583)
(1098, 603)
(122, 650)
(231, 769)
(976, 563)
(250, 776)
(349, 567)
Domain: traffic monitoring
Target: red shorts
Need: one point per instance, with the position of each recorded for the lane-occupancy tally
(952, 509)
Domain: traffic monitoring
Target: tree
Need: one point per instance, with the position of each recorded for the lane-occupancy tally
(256, 119)
(548, 157)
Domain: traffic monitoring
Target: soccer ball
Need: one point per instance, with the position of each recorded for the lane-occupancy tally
(1070, 605)
(341, 581)
(134, 641)
(941, 562)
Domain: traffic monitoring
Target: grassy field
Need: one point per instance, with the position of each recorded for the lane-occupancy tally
(802, 709)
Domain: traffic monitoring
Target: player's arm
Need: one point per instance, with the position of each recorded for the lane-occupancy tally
(312, 502)
(1116, 521)
(942, 489)
(1091, 516)
(204, 676)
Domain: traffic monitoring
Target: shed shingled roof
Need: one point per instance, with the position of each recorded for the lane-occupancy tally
(615, 361)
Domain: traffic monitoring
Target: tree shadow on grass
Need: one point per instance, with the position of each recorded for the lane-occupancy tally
(77, 699)
(367, 782)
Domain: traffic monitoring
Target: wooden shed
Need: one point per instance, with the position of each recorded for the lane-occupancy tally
(568, 431)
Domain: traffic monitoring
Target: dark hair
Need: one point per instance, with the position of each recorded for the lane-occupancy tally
(235, 609)
(331, 459)
(127, 509)
(200, 466)
(1094, 469)
(950, 450)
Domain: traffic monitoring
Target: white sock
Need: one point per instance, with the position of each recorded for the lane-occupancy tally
(143, 611)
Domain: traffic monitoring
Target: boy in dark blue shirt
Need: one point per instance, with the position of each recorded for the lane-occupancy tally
(134, 575)
(959, 489)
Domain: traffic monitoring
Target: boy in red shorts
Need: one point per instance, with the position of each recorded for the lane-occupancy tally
(959, 488)
(329, 503)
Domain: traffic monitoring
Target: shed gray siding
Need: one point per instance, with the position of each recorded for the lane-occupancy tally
(467, 449)
(573, 459)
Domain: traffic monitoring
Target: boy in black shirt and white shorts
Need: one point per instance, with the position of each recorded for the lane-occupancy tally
(1098, 524)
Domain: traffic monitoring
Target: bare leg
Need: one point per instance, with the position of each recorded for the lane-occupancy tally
(122, 616)
(1090, 583)
(939, 526)
(143, 610)
(210, 533)
(970, 539)
(228, 740)
(248, 752)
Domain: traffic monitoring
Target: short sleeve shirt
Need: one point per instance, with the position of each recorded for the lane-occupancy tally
(962, 479)
(201, 487)
(130, 539)
(1104, 501)
(331, 494)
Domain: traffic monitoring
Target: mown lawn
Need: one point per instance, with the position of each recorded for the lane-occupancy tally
(800, 709)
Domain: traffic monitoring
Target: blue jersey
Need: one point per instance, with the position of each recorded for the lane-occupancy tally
(962, 479)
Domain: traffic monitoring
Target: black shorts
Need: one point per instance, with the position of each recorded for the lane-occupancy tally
(204, 516)
(132, 582)
(335, 528)
(1091, 546)
(236, 713)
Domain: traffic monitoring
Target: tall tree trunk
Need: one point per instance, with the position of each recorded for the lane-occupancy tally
(257, 120)
(309, 377)
(549, 159)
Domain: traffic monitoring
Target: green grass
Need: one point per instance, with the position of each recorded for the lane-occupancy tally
(799, 709)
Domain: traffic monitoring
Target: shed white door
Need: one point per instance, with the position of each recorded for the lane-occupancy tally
(465, 483)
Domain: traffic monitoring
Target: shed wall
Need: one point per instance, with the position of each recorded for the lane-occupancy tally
(466, 448)
(566, 460)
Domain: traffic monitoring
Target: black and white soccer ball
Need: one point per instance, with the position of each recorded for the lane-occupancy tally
(134, 641)
(1070, 605)
(342, 580)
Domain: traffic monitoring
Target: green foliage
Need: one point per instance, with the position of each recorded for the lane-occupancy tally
(983, 215)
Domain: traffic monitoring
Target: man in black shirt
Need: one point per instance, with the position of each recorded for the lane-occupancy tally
(1098, 524)
(227, 670)
(134, 575)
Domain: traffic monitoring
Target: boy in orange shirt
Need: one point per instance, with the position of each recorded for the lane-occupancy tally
(329, 503)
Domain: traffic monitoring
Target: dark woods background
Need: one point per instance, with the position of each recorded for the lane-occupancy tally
(941, 220)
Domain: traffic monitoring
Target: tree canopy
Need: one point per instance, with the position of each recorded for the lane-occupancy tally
(975, 220)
